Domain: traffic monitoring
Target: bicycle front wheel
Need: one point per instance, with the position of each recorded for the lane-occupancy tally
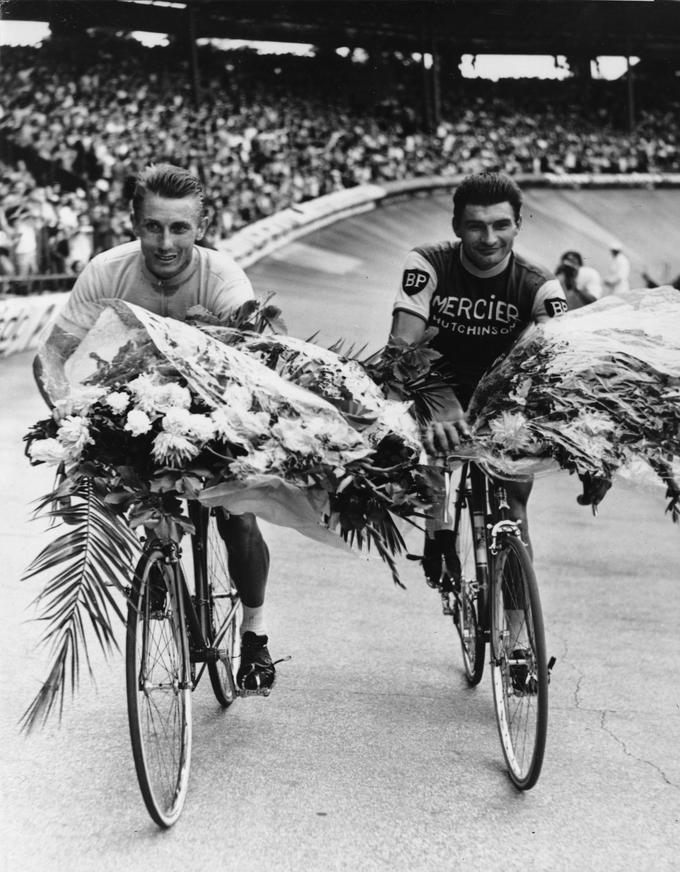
(469, 606)
(158, 678)
(225, 614)
(519, 664)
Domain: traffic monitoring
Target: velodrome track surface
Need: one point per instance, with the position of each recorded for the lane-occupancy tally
(372, 754)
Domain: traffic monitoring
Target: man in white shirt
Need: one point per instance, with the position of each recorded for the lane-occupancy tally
(617, 278)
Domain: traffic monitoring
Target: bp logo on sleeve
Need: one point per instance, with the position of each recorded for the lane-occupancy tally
(414, 280)
(555, 306)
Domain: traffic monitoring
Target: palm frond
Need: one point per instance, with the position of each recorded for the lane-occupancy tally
(383, 534)
(94, 557)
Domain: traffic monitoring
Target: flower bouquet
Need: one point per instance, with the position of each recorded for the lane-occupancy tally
(150, 412)
(595, 392)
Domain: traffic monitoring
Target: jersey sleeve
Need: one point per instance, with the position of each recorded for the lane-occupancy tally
(84, 304)
(418, 284)
(229, 289)
(549, 302)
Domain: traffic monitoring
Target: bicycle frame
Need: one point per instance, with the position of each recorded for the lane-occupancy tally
(489, 508)
(494, 599)
(194, 607)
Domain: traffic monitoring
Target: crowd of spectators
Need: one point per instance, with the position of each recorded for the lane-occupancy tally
(265, 133)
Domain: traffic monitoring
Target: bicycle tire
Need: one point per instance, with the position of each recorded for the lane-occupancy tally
(520, 696)
(224, 615)
(468, 603)
(158, 684)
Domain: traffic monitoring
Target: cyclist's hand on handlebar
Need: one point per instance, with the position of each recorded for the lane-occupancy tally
(442, 437)
(594, 490)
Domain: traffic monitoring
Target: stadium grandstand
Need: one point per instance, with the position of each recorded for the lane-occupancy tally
(91, 105)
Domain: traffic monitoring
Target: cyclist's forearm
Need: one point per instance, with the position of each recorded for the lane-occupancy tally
(39, 376)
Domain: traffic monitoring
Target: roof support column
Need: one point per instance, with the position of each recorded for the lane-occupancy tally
(436, 84)
(193, 54)
(630, 88)
(431, 80)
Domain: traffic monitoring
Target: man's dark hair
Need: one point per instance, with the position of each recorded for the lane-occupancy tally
(166, 180)
(486, 189)
(572, 258)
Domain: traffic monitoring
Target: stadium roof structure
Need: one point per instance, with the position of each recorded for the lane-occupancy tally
(578, 28)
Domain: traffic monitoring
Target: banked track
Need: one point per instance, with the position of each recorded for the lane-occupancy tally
(372, 754)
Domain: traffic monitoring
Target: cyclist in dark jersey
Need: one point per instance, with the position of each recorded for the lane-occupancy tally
(480, 295)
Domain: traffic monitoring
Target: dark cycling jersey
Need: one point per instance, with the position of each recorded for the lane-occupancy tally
(478, 313)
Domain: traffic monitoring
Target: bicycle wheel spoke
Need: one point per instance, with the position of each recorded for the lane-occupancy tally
(462, 567)
(159, 694)
(224, 614)
(519, 665)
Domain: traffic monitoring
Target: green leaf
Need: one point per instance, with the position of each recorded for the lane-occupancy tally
(95, 557)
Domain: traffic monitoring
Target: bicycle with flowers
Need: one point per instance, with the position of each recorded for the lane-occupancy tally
(488, 586)
(161, 427)
(182, 616)
(595, 393)
(152, 413)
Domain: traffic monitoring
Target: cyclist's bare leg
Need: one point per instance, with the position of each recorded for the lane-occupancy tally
(248, 557)
(518, 496)
(248, 562)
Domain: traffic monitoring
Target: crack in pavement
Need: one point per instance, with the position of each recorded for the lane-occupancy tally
(629, 753)
(603, 713)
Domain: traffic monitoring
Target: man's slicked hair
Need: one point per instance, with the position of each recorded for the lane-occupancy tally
(486, 189)
(166, 180)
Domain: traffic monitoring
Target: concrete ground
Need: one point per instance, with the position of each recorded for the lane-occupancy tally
(372, 753)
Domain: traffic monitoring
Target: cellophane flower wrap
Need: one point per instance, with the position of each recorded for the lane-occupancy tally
(596, 392)
(151, 412)
(231, 417)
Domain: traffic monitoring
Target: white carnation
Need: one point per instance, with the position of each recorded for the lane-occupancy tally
(137, 422)
(74, 435)
(171, 396)
(594, 423)
(117, 401)
(269, 459)
(323, 427)
(47, 451)
(224, 426)
(250, 424)
(238, 397)
(79, 401)
(177, 421)
(143, 389)
(202, 427)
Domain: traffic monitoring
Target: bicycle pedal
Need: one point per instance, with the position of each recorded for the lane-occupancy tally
(447, 608)
(261, 691)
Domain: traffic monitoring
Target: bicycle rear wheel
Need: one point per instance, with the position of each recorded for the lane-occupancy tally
(158, 679)
(469, 605)
(225, 614)
(519, 664)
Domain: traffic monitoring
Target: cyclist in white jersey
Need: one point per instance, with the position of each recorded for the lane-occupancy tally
(164, 271)
(480, 295)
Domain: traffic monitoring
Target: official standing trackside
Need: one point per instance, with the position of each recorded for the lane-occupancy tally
(617, 277)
